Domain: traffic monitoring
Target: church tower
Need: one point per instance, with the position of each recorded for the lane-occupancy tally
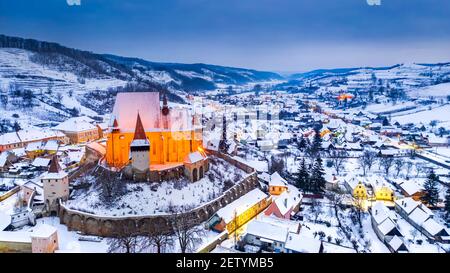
(140, 149)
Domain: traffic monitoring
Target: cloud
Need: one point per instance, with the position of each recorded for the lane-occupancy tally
(73, 2)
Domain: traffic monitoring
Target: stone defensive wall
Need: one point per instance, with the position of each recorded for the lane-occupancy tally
(111, 226)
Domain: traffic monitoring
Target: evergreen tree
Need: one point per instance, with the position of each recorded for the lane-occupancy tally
(447, 205)
(316, 145)
(302, 144)
(431, 191)
(317, 180)
(302, 177)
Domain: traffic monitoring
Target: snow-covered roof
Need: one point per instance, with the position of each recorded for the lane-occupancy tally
(15, 236)
(302, 244)
(334, 248)
(194, 157)
(241, 204)
(5, 220)
(419, 216)
(128, 105)
(293, 226)
(41, 162)
(34, 146)
(43, 231)
(9, 138)
(76, 124)
(267, 230)
(386, 226)
(287, 200)
(432, 226)
(51, 145)
(396, 242)
(407, 204)
(410, 187)
(379, 212)
(277, 180)
(3, 158)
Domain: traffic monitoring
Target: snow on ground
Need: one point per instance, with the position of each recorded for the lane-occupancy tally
(440, 113)
(438, 90)
(140, 199)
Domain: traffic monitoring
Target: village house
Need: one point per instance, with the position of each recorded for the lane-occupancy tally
(422, 218)
(79, 130)
(277, 184)
(299, 243)
(410, 189)
(356, 188)
(41, 239)
(286, 204)
(22, 138)
(385, 226)
(240, 211)
(267, 236)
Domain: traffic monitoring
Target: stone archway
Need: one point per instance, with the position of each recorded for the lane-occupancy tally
(194, 175)
(201, 172)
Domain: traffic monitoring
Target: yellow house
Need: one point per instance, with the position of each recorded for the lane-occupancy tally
(240, 211)
(384, 193)
(360, 191)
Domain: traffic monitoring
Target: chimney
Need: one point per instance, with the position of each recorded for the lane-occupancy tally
(285, 202)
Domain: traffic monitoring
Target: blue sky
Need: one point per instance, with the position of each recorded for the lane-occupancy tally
(277, 35)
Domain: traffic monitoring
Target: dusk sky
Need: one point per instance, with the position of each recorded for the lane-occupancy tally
(277, 35)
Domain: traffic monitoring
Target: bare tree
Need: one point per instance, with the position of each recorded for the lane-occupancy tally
(111, 186)
(409, 166)
(123, 241)
(187, 234)
(59, 98)
(316, 209)
(160, 241)
(338, 158)
(358, 209)
(386, 163)
(336, 198)
(276, 165)
(398, 166)
(366, 160)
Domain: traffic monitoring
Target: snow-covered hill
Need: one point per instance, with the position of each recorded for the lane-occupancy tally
(42, 82)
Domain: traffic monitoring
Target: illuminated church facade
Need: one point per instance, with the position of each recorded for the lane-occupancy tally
(142, 132)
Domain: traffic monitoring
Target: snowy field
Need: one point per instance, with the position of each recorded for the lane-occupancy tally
(154, 198)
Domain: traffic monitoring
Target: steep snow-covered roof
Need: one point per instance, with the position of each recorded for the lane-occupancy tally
(396, 242)
(3, 158)
(407, 204)
(386, 226)
(277, 180)
(432, 226)
(419, 216)
(128, 105)
(379, 212)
